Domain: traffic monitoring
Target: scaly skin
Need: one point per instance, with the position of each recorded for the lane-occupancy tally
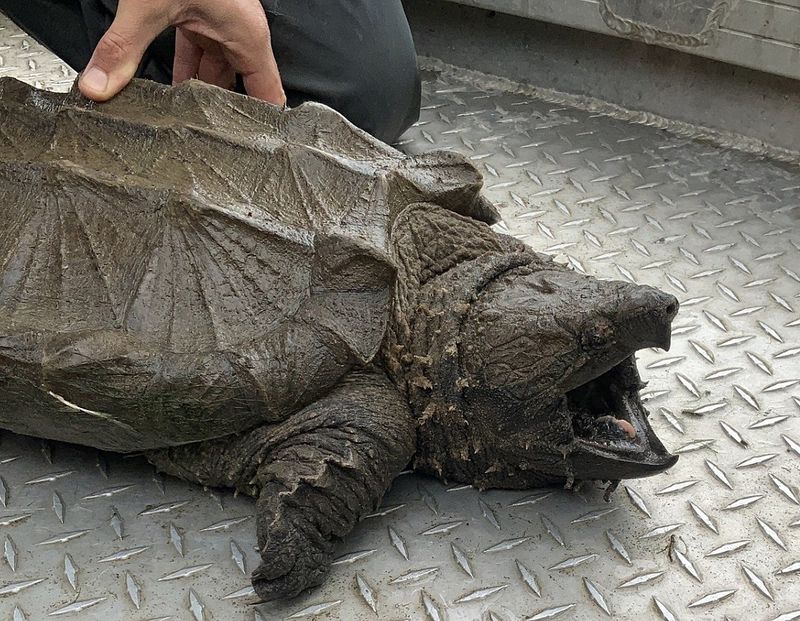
(487, 338)
(467, 402)
(313, 475)
(284, 305)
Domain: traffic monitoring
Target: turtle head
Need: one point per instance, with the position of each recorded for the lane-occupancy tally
(543, 381)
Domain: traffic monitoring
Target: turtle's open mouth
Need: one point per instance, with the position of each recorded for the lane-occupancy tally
(605, 410)
(610, 424)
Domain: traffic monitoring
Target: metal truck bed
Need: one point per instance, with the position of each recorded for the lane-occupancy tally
(97, 536)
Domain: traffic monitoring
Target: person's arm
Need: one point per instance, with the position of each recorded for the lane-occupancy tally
(215, 40)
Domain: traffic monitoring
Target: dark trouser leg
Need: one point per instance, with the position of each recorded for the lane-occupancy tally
(356, 56)
(59, 26)
(315, 475)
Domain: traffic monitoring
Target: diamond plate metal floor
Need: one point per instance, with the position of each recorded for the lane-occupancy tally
(91, 536)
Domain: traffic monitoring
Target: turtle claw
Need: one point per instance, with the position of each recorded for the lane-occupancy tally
(285, 574)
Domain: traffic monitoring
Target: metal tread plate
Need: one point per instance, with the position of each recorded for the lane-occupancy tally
(22, 57)
(94, 536)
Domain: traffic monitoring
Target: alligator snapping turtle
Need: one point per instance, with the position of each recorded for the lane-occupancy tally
(274, 301)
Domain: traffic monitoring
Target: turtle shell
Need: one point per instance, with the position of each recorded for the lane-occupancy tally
(183, 263)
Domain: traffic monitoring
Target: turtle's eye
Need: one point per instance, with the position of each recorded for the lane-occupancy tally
(541, 284)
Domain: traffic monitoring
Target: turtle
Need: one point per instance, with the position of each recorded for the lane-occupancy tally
(274, 301)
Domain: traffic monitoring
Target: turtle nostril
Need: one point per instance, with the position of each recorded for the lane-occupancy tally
(650, 322)
(672, 309)
(662, 304)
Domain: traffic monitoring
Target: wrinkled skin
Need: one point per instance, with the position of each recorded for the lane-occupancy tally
(314, 475)
(304, 333)
(506, 361)
(537, 367)
(522, 372)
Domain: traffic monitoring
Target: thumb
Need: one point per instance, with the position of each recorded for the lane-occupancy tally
(118, 54)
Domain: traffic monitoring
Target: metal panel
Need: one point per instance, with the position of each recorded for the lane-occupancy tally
(94, 536)
(743, 38)
(766, 19)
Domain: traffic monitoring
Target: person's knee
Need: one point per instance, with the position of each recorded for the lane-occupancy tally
(383, 98)
(356, 56)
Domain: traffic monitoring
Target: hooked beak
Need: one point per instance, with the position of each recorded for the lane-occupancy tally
(648, 322)
(612, 433)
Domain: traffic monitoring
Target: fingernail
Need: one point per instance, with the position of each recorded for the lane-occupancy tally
(95, 79)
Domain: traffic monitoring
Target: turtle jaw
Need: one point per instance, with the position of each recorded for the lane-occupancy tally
(612, 436)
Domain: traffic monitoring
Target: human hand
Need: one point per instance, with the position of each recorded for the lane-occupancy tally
(215, 39)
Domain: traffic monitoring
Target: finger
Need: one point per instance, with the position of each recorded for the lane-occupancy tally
(265, 83)
(214, 69)
(259, 72)
(250, 54)
(119, 52)
(186, 64)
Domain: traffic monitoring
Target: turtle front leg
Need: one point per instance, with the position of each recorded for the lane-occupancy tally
(314, 475)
